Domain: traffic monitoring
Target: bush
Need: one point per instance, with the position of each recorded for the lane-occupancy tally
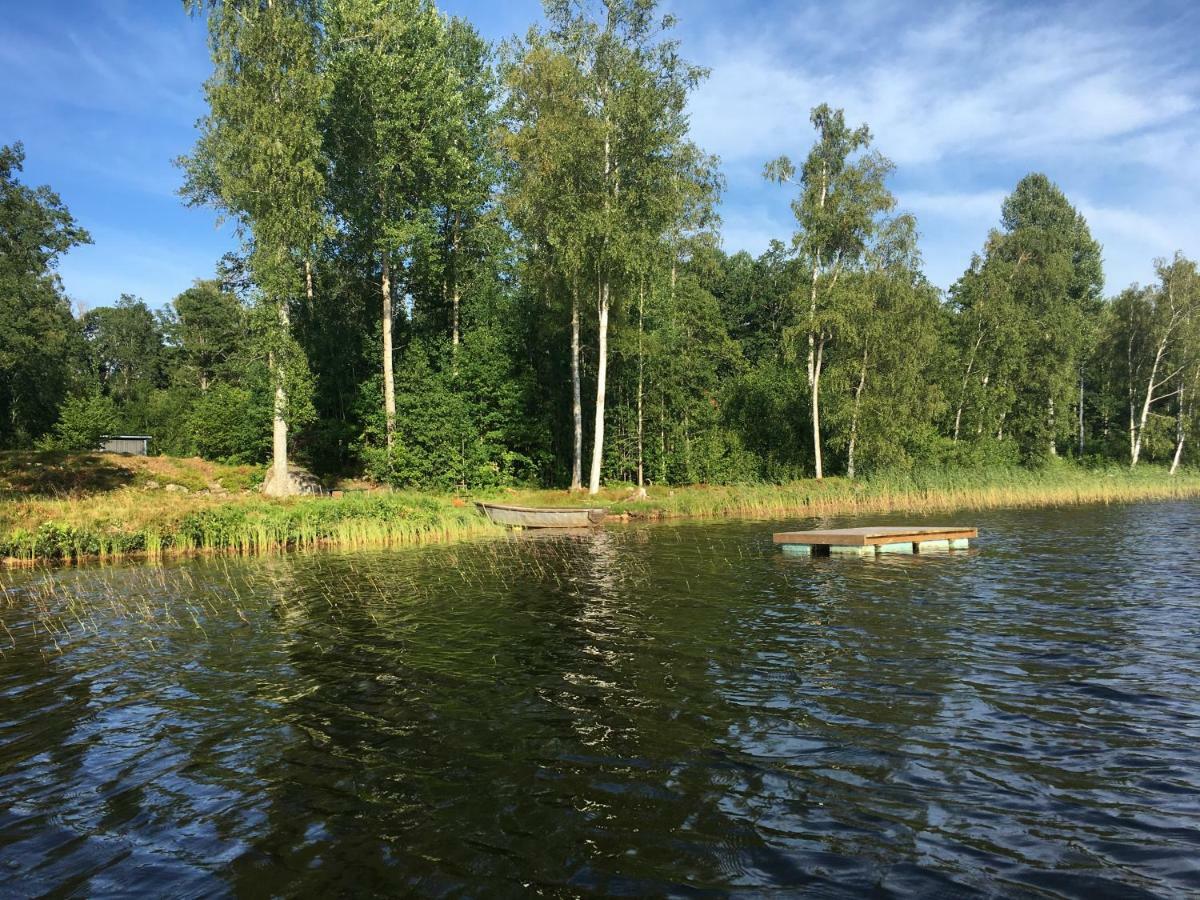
(82, 422)
(446, 433)
(231, 424)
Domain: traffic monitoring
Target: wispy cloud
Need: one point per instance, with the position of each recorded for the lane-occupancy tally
(989, 80)
(104, 97)
(966, 97)
(110, 62)
(136, 261)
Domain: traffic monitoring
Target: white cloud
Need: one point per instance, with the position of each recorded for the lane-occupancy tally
(966, 97)
(754, 229)
(154, 267)
(976, 207)
(980, 80)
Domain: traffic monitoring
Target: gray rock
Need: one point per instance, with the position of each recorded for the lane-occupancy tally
(177, 489)
(299, 481)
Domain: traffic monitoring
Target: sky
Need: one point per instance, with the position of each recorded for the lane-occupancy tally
(964, 98)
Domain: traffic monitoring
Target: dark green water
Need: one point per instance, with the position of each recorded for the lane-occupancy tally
(661, 710)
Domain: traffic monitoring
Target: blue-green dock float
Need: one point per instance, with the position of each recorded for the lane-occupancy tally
(873, 539)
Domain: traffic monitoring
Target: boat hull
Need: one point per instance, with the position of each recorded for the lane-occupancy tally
(542, 517)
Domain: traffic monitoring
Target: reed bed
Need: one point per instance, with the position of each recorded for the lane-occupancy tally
(115, 527)
(126, 522)
(931, 492)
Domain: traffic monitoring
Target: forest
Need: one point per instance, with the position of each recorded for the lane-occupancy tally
(463, 266)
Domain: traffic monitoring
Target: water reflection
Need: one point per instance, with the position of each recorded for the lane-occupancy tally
(641, 711)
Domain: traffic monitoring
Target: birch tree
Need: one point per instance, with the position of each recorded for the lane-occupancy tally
(1156, 333)
(838, 203)
(1031, 300)
(468, 226)
(887, 353)
(637, 89)
(394, 99)
(624, 91)
(546, 123)
(258, 159)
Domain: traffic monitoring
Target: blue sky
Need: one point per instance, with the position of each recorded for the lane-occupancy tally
(965, 97)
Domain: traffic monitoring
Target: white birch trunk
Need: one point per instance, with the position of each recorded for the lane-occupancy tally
(1186, 409)
(1179, 433)
(601, 376)
(389, 381)
(1051, 422)
(641, 473)
(279, 429)
(812, 297)
(454, 291)
(862, 381)
(1081, 414)
(815, 396)
(576, 399)
(1136, 451)
(962, 395)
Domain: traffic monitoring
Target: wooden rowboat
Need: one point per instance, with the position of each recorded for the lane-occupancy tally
(542, 516)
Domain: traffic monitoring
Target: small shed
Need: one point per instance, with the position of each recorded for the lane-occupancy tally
(137, 444)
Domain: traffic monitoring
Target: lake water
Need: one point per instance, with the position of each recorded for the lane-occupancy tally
(673, 709)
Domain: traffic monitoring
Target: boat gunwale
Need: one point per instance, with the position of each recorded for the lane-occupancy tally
(592, 516)
(485, 504)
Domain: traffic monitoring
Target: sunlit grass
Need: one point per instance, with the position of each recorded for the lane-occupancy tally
(928, 492)
(154, 524)
(124, 524)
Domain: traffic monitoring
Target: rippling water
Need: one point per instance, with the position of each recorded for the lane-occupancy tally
(655, 710)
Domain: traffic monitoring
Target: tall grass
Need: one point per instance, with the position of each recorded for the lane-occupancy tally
(158, 526)
(129, 522)
(923, 492)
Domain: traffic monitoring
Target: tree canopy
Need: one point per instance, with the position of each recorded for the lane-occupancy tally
(453, 256)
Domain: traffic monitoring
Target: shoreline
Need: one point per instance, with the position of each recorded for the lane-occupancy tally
(129, 524)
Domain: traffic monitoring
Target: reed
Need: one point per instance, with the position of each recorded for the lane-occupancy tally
(131, 522)
(923, 492)
(117, 526)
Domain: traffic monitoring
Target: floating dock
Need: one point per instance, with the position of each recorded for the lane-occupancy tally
(872, 539)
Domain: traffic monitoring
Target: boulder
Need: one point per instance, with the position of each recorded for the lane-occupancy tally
(176, 489)
(299, 481)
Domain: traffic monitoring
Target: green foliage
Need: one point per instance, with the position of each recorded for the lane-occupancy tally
(39, 340)
(125, 349)
(228, 425)
(381, 163)
(206, 331)
(258, 158)
(843, 198)
(449, 423)
(82, 422)
(1027, 311)
(393, 99)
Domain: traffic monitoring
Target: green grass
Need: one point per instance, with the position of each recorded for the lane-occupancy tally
(75, 530)
(59, 474)
(76, 508)
(1061, 484)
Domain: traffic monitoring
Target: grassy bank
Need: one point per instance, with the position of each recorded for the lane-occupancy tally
(105, 506)
(102, 506)
(931, 492)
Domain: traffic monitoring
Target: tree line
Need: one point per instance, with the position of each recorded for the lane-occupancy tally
(464, 266)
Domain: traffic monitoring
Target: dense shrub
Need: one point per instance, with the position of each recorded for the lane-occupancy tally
(82, 422)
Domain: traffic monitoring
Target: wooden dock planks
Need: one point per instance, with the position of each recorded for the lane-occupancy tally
(878, 539)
